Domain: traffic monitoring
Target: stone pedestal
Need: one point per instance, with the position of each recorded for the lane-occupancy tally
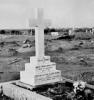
(40, 71)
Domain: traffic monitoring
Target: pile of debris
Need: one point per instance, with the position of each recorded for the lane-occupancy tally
(66, 91)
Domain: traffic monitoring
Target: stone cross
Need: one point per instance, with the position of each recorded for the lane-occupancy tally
(40, 70)
(39, 23)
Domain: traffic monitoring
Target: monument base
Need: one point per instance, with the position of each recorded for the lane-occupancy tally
(40, 71)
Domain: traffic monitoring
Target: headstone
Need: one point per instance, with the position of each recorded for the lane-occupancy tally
(86, 30)
(40, 70)
(54, 33)
(71, 31)
(92, 30)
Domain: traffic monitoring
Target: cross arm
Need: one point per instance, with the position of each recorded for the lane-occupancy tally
(35, 23)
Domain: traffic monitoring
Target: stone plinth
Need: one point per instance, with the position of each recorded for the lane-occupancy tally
(40, 71)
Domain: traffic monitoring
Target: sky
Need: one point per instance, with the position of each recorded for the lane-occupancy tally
(62, 13)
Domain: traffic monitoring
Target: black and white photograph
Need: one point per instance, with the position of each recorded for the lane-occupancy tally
(46, 49)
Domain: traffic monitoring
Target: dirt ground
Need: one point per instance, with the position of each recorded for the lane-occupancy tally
(74, 58)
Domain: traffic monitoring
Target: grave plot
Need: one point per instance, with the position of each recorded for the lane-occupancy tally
(53, 91)
(41, 74)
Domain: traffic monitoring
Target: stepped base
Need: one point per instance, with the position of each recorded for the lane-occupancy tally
(40, 71)
(40, 79)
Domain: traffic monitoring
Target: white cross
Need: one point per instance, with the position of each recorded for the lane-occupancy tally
(39, 23)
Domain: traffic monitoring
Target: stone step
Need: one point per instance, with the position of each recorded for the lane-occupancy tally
(50, 77)
(42, 78)
(46, 67)
(39, 61)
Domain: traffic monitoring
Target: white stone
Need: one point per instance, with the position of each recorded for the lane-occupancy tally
(39, 79)
(18, 93)
(39, 23)
(40, 70)
(54, 33)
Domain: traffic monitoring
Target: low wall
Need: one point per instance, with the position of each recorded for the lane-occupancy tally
(18, 93)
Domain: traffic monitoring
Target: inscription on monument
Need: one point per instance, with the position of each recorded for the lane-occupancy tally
(40, 69)
(45, 68)
(43, 59)
(46, 78)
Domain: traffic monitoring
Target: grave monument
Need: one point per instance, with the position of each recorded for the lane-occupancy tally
(40, 70)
